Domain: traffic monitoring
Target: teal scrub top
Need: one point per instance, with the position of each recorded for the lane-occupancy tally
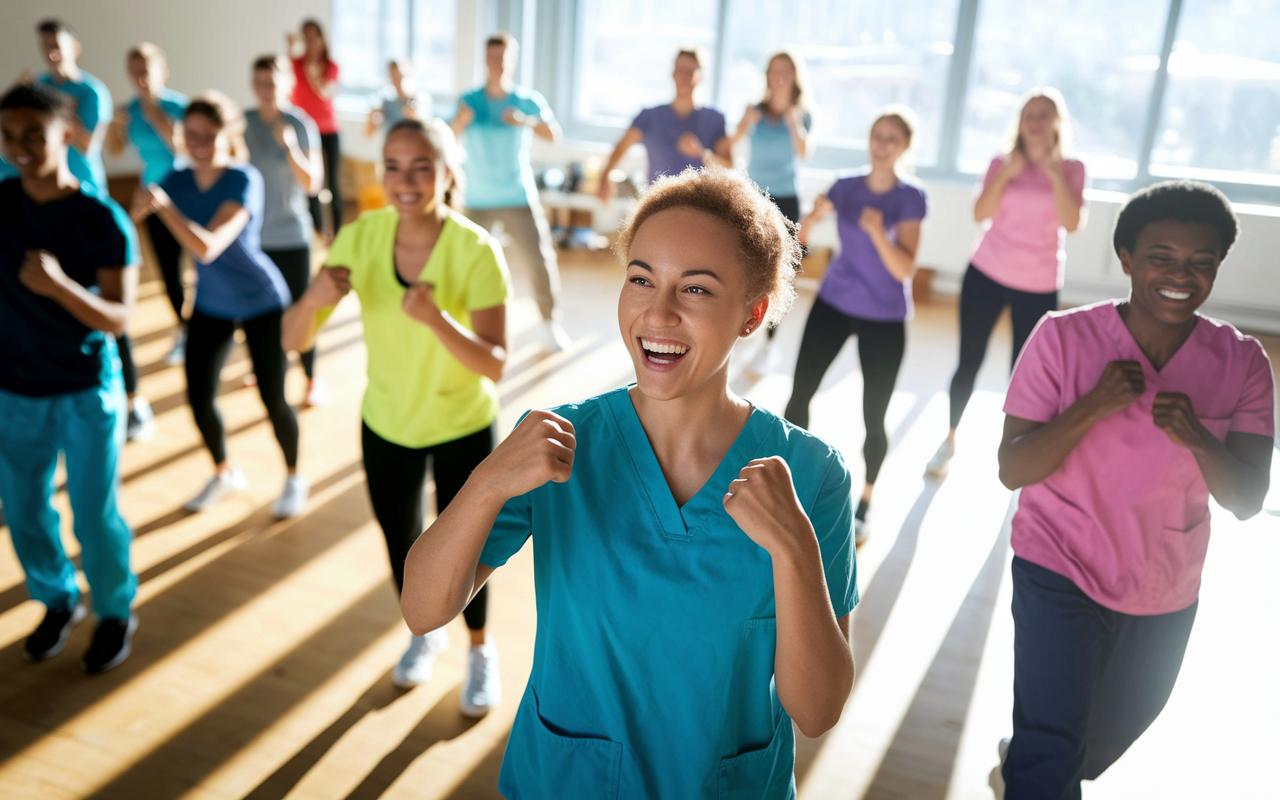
(653, 664)
(499, 173)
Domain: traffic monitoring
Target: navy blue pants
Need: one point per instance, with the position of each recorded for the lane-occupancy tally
(1087, 682)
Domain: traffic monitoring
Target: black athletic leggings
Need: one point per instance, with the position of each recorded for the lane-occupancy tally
(880, 349)
(209, 343)
(981, 301)
(397, 476)
(295, 266)
(169, 256)
(128, 369)
(332, 154)
(790, 208)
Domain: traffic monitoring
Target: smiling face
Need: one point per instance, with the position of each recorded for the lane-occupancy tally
(685, 302)
(1038, 125)
(888, 141)
(781, 77)
(1173, 266)
(205, 140)
(687, 74)
(34, 141)
(413, 174)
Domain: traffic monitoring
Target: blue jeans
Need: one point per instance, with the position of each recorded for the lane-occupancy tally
(88, 427)
(1087, 681)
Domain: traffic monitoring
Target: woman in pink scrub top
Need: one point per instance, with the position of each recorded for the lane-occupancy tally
(1031, 199)
(1123, 418)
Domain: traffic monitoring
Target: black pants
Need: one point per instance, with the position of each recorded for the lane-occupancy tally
(1087, 681)
(790, 208)
(981, 301)
(209, 342)
(128, 368)
(397, 476)
(169, 256)
(332, 153)
(880, 349)
(295, 266)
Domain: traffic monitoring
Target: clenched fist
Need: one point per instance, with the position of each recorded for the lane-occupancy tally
(763, 501)
(538, 451)
(1121, 383)
(41, 273)
(420, 304)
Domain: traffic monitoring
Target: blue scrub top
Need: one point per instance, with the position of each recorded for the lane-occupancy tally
(653, 665)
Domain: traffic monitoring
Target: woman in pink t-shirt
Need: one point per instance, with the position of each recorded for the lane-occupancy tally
(1123, 418)
(315, 84)
(1033, 197)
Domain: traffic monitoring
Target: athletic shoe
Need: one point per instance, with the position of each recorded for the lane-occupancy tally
(941, 461)
(317, 393)
(861, 532)
(112, 643)
(178, 355)
(996, 779)
(141, 423)
(224, 483)
(50, 636)
(416, 664)
(483, 687)
(554, 337)
(293, 500)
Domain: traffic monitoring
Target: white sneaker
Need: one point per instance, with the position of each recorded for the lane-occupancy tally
(554, 337)
(293, 500)
(483, 687)
(861, 532)
(140, 425)
(317, 393)
(996, 779)
(224, 483)
(416, 664)
(941, 461)
(178, 355)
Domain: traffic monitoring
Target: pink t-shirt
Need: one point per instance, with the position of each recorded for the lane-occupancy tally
(1024, 247)
(1126, 516)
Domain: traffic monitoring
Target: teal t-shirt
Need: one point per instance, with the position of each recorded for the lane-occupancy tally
(774, 164)
(498, 171)
(157, 156)
(93, 102)
(653, 663)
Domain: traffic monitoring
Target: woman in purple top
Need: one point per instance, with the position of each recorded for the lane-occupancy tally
(677, 135)
(867, 289)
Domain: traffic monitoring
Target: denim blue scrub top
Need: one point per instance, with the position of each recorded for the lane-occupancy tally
(653, 665)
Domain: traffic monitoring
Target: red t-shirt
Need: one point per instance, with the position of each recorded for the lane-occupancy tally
(305, 97)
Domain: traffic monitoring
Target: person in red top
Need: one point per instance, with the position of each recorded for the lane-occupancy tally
(316, 82)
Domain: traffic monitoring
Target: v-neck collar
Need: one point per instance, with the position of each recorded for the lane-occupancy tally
(681, 522)
(395, 273)
(1142, 354)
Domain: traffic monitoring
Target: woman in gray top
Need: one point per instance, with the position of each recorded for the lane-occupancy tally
(284, 145)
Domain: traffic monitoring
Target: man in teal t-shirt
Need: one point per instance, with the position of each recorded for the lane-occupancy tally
(92, 100)
(496, 124)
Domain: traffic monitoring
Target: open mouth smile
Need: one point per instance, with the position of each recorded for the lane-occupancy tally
(660, 354)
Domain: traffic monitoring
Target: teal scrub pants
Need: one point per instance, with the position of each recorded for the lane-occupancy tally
(88, 427)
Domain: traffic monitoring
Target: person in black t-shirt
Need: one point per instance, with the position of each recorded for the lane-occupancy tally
(68, 279)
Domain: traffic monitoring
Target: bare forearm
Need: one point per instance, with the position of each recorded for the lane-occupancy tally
(162, 124)
(1065, 204)
(546, 131)
(1034, 456)
(800, 140)
(900, 263)
(299, 167)
(813, 668)
(203, 244)
(92, 310)
(299, 326)
(1238, 486)
(987, 203)
(480, 356)
(440, 571)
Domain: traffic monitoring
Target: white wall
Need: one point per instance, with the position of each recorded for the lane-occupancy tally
(210, 44)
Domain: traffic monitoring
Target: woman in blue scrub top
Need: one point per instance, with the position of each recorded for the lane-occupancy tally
(693, 554)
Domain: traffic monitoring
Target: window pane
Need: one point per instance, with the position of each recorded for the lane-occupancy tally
(1100, 54)
(861, 57)
(435, 24)
(1222, 104)
(628, 50)
(357, 42)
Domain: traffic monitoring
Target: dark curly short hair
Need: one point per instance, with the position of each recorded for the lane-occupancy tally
(1185, 201)
(37, 96)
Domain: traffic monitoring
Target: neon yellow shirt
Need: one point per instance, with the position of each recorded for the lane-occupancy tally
(419, 395)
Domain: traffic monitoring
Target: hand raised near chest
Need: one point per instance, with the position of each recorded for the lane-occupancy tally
(1121, 383)
(331, 284)
(871, 221)
(419, 304)
(763, 501)
(1173, 413)
(690, 145)
(538, 451)
(41, 273)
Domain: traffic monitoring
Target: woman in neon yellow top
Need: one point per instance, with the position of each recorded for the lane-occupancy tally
(433, 288)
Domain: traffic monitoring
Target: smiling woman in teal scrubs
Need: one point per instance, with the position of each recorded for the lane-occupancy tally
(693, 554)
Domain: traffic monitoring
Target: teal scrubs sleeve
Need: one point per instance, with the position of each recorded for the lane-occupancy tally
(510, 531)
(832, 519)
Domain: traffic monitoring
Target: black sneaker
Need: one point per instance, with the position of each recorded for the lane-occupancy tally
(50, 636)
(111, 644)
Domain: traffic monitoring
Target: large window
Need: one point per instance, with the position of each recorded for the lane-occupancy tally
(1101, 54)
(860, 56)
(367, 34)
(1222, 107)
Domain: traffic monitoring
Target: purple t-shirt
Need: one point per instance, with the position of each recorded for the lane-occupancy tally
(662, 128)
(857, 282)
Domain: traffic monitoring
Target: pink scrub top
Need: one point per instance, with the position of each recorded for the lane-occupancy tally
(1126, 516)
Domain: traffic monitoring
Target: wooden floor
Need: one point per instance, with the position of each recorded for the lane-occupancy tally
(262, 666)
